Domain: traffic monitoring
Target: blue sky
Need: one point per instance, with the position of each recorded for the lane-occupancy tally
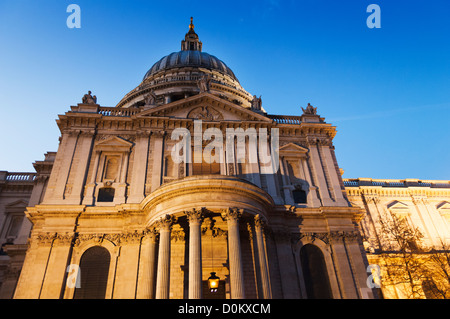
(386, 90)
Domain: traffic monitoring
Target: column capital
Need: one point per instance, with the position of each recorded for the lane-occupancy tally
(72, 132)
(195, 215)
(158, 133)
(260, 222)
(63, 239)
(166, 222)
(232, 214)
(151, 234)
(143, 134)
(87, 132)
(46, 239)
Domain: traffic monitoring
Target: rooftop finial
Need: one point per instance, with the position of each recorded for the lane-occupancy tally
(191, 41)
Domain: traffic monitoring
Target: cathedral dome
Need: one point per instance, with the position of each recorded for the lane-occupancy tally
(190, 58)
(186, 73)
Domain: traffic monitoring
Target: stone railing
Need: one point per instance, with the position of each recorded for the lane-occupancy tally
(285, 119)
(17, 177)
(117, 111)
(356, 182)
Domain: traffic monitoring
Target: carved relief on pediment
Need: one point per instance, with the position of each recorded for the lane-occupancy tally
(205, 113)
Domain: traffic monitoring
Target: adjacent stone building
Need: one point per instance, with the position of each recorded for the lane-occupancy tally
(18, 190)
(189, 178)
(419, 212)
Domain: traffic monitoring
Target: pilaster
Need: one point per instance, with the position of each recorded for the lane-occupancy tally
(83, 149)
(60, 173)
(127, 266)
(157, 156)
(138, 176)
(53, 281)
(318, 170)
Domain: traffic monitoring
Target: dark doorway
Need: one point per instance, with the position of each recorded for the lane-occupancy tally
(315, 273)
(94, 269)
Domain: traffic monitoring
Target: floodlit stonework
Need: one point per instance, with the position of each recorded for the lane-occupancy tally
(119, 218)
(422, 204)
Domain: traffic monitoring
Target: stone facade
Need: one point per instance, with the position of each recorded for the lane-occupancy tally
(120, 212)
(424, 204)
(18, 191)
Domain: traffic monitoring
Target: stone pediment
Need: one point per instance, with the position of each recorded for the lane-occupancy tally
(293, 150)
(113, 143)
(18, 203)
(444, 209)
(444, 206)
(398, 208)
(206, 107)
(18, 206)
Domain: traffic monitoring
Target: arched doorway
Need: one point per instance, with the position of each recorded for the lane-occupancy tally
(315, 273)
(94, 269)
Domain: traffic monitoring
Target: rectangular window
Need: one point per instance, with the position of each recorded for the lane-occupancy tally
(299, 196)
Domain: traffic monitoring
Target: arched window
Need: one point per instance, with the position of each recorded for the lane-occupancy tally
(315, 273)
(93, 272)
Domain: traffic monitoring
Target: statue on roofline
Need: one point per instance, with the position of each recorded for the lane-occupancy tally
(256, 102)
(150, 99)
(310, 110)
(89, 99)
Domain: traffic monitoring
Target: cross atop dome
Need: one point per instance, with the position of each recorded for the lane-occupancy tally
(191, 41)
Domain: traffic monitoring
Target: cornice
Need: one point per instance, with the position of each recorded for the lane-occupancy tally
(397, 192)
(329, 238)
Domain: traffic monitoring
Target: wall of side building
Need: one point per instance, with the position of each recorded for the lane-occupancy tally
(18, 190)
(425, 204)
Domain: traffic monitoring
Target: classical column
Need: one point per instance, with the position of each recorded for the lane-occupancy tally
(234, 249)
(163, 275)
(259, 224)
(195, 254)
(146, 285)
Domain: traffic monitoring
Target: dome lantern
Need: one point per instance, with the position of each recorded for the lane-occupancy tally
(191, 41)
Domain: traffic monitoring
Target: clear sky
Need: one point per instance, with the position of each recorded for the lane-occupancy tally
(386, 90)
